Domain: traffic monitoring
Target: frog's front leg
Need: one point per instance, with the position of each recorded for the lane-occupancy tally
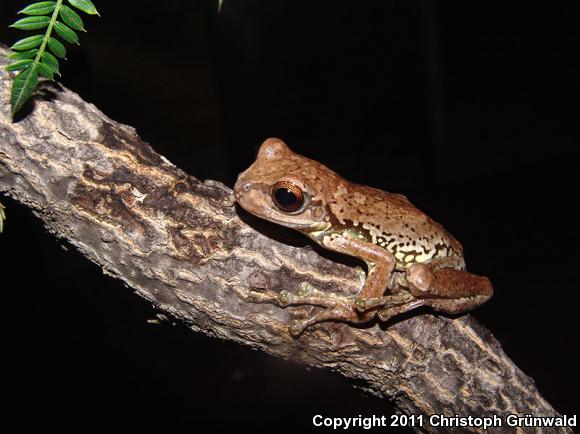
(308, 294)
(339, 308)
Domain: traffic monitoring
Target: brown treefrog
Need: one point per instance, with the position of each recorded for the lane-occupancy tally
(383, 229)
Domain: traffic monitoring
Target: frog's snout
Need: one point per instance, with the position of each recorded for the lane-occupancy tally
(245, 192)
(245, 186)
(242, 187)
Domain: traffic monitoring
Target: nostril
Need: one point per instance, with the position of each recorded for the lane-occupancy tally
(247, 186)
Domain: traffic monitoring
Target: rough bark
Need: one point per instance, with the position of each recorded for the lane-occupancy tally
(184, 246)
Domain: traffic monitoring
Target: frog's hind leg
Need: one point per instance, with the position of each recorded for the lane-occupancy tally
(448, 290)
(391, 305)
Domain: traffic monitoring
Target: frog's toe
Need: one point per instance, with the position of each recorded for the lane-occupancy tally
(386, 314)
(296, 327)
(305, 289)
(360, 304)
(284, 298)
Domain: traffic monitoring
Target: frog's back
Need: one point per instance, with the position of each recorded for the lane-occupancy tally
(391, 221)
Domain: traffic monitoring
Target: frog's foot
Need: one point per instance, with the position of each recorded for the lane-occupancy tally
(364, 304)
(343, 314)
(338, 307)
(307, 290)
(391, 311)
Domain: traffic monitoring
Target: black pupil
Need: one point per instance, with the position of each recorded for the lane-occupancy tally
(286, 198)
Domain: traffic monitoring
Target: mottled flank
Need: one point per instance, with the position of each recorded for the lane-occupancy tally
(385, 219)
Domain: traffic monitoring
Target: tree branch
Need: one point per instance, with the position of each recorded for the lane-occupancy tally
(180, 244)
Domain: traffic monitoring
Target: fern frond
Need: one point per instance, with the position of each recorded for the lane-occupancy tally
(37, 55)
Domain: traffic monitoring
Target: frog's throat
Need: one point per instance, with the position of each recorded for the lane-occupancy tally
(305, 228)
(318, 231)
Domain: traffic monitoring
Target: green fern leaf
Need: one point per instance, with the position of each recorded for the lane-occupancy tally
(20, 65)
(24, 84)
(40, 8)
(28, 43)
(31, 23)
(84, 5)
(66, 33)
(51, 61)
(23, 54)
(71, 18)
(32, 61)
(45, 70)
(56, 47)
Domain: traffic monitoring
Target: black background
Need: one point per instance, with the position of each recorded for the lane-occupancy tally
(468, 108)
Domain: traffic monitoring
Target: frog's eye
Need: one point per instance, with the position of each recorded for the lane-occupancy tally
(287, 196)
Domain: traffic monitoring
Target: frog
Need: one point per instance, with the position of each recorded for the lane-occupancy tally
(411, 260)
